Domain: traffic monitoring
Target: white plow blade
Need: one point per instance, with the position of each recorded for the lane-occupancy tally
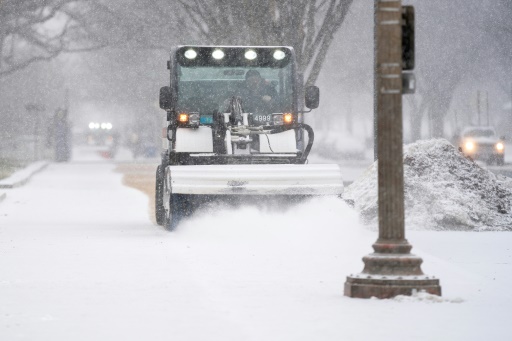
(315, 179)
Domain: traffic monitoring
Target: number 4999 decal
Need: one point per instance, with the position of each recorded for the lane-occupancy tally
(262, 118)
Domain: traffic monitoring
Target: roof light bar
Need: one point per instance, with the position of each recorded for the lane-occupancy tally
(250, 54)
(279, 55)
(218, 54)
(190, 54)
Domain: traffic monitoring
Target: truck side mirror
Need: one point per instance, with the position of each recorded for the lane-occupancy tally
(312, 97)
(165, 98)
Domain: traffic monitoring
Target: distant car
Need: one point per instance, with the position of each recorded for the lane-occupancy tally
(482, 143)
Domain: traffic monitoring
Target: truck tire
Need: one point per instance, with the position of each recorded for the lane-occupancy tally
(159, 196)
(176, 212)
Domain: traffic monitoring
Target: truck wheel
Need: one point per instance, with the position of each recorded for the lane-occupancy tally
(175, 213)
(159, 196)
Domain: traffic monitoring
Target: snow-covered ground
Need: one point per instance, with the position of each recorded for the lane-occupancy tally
(80, 260)
(83, 153)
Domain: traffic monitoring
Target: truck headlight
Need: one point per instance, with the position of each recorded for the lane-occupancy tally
(287, 118)
(500, 146)
(193, 119)
(277, 119)
(469, 146)
(189, 119)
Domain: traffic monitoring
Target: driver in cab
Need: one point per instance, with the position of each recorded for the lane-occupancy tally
(258, 95)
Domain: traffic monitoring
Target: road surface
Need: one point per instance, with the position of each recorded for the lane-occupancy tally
(82, 260)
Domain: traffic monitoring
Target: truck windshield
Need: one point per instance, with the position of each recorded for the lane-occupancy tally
(209, 89)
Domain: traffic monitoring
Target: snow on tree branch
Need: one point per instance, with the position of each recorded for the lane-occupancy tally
(35, 30)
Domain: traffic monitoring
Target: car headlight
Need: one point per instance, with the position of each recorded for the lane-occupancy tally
(469, 145)
(500, 146)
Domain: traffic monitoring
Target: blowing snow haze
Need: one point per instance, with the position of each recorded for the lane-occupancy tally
(139, 199)
(119, 50)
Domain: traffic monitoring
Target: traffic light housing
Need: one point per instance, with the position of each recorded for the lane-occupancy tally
(407, 38)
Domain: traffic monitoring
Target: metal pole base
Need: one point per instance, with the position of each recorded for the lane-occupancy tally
(368, 286)
(389, 272)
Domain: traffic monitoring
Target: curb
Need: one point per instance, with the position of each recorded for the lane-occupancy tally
(22, 176)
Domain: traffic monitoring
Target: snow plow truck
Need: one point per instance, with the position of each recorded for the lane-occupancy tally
(234, 126)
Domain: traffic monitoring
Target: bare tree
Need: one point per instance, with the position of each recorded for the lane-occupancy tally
(35, 30)
(500, 34)
(307, 25)
(450, 50)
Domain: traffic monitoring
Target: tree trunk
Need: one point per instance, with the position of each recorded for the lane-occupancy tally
(417, 120)
(438, 110)
(348, 117)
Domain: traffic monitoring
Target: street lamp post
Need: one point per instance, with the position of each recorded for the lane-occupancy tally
(391, 270)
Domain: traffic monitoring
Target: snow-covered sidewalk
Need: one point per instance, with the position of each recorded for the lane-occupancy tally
(22, 176)
(82, 261)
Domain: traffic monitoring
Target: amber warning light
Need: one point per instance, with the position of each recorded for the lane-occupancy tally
(183, 118)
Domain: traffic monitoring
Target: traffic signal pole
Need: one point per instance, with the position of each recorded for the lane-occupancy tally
(391, 270)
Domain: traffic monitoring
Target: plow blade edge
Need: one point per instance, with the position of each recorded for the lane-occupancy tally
(314, 179)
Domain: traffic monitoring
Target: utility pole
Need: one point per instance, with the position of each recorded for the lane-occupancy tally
(375, 101)
(391, 270)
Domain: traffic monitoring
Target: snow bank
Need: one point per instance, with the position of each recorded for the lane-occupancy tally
(22, 176)
(443, 191)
